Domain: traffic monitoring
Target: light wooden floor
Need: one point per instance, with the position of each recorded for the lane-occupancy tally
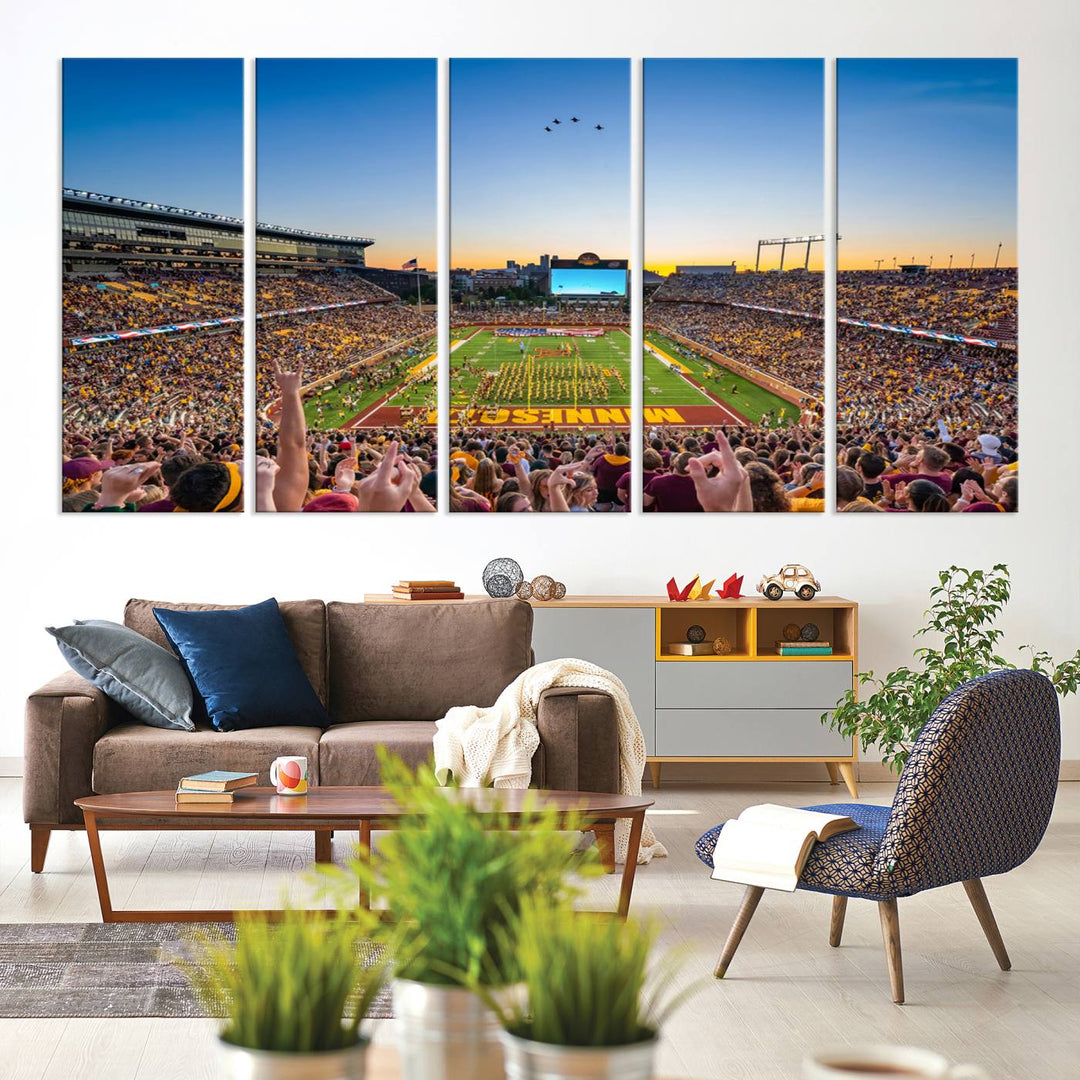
(786, 992)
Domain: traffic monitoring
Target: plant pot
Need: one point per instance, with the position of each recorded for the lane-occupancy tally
(240, 1063)
(528, 1060)
(445, 1033)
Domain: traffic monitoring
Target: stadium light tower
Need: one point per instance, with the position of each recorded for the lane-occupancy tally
(783, 242)
(998, 255)
(894, 262)
(972, 267)
(931, 267)
(879, 262)
(950, 262)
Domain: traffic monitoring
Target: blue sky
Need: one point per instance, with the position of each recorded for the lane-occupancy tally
(593, 282)
(349, 146)
(168, 131)
(733, 153)
(518, 191)
(927, 160)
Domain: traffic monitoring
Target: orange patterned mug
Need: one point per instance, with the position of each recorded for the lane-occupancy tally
(289, 775)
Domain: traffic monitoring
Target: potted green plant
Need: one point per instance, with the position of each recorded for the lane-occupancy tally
(452, 880)
(964, 608)
(293, 993)
(592, 1007)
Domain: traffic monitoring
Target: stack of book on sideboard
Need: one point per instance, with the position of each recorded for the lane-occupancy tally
(213, 787)
(804, 648)
(427, 590)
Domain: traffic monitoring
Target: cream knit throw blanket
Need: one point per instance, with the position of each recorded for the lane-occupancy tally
(495, 746)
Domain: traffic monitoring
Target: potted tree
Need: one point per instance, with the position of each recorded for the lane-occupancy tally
(591, 1007)
(964, 608)
(293, 994)
(452, 880)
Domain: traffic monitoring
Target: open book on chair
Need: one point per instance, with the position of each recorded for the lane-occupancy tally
(768, 845)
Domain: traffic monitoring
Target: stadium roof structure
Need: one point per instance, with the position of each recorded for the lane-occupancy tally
(118, 203)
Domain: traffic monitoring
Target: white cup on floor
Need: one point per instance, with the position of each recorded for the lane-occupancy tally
(878, 1061)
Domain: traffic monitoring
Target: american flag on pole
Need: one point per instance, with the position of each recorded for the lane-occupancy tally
(410, 265)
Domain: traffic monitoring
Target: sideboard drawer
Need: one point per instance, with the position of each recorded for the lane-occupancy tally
(766, 684)
(747, 733)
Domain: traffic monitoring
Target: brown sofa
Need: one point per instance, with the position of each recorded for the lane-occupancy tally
(385, 672)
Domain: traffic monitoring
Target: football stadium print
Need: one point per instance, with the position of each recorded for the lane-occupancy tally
(346, 363)
(540, 341)
(538, 394)
(152, 356)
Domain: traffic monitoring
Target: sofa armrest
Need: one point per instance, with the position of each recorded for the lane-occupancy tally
(64, 719)
(579, 734)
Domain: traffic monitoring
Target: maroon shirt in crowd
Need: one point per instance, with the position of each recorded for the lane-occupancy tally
(674, 494)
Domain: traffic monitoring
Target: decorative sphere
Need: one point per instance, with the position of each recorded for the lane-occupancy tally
(791, 632)
(695, 634)
(560, 590)
(810, 632)
(721, 646)
(543, 587)
(501, 577)
(524, 590)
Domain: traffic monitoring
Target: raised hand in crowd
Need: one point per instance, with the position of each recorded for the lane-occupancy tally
(726, 491)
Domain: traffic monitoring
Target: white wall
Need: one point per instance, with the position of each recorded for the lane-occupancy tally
(57, 568)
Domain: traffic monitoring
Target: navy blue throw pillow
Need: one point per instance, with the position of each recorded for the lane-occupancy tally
(244, 666)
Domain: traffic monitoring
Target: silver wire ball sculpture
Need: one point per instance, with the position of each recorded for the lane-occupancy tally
(501, 577)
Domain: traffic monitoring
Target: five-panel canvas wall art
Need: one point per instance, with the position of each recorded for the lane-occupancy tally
(740, 411)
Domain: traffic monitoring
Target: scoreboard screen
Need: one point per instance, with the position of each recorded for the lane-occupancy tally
(588, 276)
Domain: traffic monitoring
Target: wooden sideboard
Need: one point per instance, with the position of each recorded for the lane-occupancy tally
(747, 705)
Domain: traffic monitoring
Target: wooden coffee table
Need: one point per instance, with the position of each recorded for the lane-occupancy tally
(325, 809)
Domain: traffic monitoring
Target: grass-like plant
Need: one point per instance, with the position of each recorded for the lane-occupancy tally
(453, 878)
(295, 986)
(588, 979)
(965, 605)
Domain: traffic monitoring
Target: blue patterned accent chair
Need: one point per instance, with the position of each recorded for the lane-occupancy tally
(974, 799)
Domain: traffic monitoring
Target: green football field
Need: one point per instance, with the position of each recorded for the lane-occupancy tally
(335, 411)
(550, 372)
(666, 387)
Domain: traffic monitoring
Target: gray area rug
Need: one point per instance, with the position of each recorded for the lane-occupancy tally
(108, 969)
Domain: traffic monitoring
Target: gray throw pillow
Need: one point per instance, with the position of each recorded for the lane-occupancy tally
(147, 680)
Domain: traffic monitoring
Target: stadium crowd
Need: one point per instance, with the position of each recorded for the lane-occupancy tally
(297, 469)
(487, 313)
(142, 297)
(321, 343)
(509, 471)
(151, 404)
(734, 468)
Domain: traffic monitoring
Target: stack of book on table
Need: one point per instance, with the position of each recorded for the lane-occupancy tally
(804, 648)
(213, 787)
(427, 590)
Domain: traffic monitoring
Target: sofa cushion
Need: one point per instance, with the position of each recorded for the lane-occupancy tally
(347, 754)
(133, 757)
(244, 666)
(145, 679)
(415, 662)
(304, 619)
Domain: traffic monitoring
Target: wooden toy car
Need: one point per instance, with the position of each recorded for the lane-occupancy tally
(791, 578)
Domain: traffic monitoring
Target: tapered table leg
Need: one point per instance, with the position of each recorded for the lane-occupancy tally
(637, 823)
(100, 879)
